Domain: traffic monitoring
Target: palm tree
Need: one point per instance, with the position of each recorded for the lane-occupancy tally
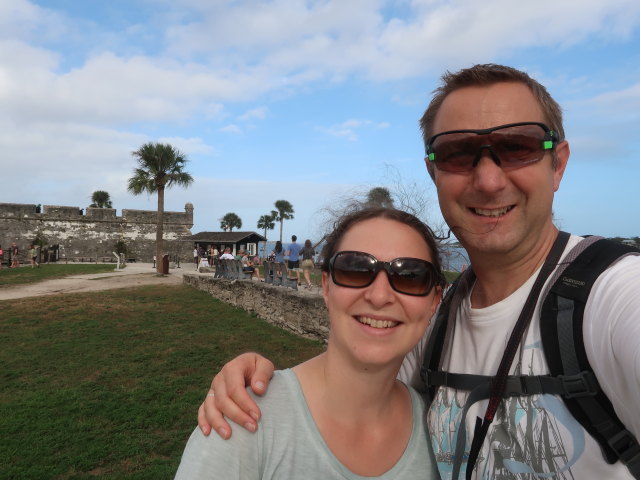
(267, 222)
(100, 199)
(160, 166)
(379, 197)
(284, 212)
(230, 221)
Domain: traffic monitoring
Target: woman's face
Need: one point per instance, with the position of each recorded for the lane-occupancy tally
(376, 324)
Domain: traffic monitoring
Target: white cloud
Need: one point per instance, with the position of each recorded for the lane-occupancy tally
(77, 100)
(21, 19)
(349, 128)
(259, 113)
(624, 102)
(231, 129)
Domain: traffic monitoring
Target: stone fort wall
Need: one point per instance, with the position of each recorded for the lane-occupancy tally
(94, 233)
(298, 311)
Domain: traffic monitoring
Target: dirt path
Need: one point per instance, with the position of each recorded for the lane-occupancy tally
(134, 275)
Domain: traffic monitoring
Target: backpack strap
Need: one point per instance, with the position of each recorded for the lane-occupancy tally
(445, 317)
(563, 344)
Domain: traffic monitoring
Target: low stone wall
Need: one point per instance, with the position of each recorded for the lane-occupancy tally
(300, 312)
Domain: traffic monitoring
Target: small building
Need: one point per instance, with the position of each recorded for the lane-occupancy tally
(235, 240)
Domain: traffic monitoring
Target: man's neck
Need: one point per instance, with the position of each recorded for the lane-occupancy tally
(498, 276)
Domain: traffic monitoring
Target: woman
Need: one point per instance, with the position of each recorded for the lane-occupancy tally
(307, 254)
(278, 252)
(33, 256)
(343, 414)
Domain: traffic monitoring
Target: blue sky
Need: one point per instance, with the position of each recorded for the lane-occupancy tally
(308, 101)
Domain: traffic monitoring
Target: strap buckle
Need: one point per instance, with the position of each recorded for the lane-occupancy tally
(626, 447)
(583, 384)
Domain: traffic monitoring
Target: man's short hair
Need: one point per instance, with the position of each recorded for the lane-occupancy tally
(489, 74)
(293, 238)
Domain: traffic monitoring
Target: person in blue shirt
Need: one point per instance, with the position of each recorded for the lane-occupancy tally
(293, 251)
(294, 256)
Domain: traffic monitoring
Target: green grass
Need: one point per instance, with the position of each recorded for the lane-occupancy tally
(107, 385)
(22, 275)
(450, 276)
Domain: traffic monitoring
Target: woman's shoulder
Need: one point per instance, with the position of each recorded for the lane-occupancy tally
(283, 385)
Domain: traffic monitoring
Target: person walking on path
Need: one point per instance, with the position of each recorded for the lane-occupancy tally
(307, 253)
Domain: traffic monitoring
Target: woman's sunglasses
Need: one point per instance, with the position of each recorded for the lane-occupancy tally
(411, 276)
(511, 146)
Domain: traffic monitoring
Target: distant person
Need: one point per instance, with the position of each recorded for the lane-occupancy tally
(195, 256)
(343, 414)
(15, 261)
(33, 256)
(227, 255)
(278, 252)
(293, 251)
(307, 253)
(248, 265)
(1, 256)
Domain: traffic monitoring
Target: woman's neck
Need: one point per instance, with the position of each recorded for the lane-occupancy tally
(357, 411)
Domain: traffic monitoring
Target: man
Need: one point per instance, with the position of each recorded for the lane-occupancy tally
(293, 251)
(227, 254)
(498, 199)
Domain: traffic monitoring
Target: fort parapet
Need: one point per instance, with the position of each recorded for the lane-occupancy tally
(93, 233)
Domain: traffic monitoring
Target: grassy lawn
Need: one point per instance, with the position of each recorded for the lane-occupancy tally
(22, 275)
(107, 385)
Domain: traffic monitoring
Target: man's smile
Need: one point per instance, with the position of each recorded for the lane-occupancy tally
(492, 212)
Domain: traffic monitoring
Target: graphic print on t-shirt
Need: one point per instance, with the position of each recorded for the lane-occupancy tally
(530, 437)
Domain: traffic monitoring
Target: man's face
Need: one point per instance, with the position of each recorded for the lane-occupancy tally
(491, 210)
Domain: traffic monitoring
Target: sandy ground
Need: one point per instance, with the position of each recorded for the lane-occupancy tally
(134, 275)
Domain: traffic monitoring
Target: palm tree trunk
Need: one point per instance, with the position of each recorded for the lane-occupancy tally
(159, 230)
(281, 222)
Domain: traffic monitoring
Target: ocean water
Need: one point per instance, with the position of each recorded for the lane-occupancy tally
(454, 259)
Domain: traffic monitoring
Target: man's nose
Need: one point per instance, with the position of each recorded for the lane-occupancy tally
(488, 175)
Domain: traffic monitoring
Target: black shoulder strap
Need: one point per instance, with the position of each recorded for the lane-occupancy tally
(563, 344)
(435, 343)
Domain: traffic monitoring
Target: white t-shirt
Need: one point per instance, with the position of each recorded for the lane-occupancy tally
(288, 445)
(537, 435)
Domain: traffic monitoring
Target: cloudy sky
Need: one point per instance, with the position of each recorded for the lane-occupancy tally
(306, 101)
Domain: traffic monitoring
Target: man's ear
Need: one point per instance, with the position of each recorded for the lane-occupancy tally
(562, 158)
(430, 168)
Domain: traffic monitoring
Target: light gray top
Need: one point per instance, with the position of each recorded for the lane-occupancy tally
(288, 444)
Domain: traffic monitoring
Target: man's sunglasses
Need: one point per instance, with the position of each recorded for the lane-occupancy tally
(511, 146)
(411, 276)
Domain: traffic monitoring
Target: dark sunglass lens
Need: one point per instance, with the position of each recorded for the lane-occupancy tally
(517, 146)
(353, 269)
(412, 276)
(455, 152)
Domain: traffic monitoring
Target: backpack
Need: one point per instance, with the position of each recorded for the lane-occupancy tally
(571, 376)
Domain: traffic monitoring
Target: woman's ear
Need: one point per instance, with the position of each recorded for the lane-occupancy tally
(437, 298)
